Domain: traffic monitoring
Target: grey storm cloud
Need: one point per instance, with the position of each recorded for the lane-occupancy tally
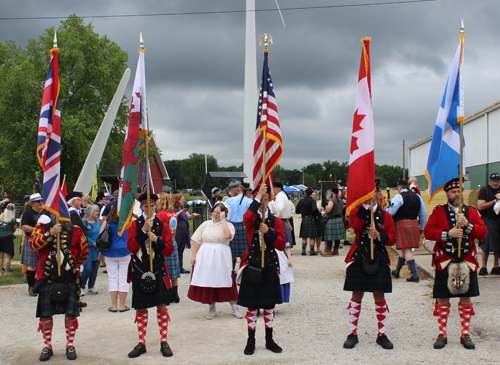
(195, 68)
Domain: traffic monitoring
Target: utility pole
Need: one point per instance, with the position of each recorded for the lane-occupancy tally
(404, 173)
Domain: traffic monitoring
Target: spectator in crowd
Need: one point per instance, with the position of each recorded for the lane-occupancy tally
(111, 199)
(26, 201)
(213, 279)
(488, 196)
(345, 219)
(234, 189)
(320, 222)
(117, 260)
(8, 226)
(74, 200)
(167, 215)
(86, 201)
(335, 231)
(182, 234)
(216, 198)
(100, 200)
(308, 228)
(91, 265)
(413, 186)
(28, 222)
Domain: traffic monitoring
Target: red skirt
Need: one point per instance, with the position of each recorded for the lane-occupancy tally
(407, 233)
(208, 295)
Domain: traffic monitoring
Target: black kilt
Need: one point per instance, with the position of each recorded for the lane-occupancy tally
(308, 227)
(47, 308)
(440, 289)
(357, 280)
(265, 295)
(161, 295)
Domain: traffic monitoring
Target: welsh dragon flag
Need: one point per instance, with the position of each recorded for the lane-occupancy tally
(134, 140)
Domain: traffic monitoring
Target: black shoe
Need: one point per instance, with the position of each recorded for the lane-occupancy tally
(383, 341)
(176, 294)
(347, 243)
(313, 253)
(495, 271)
(250, 347)
(270, 344)
(30, 292)
(303, 253)
(467, 342)
(138, 350)
(83, 304)
(413, 279)
(185, 271)
(46, 354)
(165, 349)
(70, 353)
(483, 271)
(351, 341)
(440, 342)
(395, 274)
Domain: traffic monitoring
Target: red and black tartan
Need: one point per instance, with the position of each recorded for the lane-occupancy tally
(408, 234)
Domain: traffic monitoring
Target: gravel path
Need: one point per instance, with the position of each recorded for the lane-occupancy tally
(311, 329)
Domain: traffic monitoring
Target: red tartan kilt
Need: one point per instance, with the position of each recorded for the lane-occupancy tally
(408, 235)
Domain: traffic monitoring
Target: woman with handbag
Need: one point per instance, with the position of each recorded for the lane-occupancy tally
(213, 278)
(117, 258)
(91, 266)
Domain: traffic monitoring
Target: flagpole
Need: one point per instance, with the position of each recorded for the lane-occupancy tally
(461, 120)
(372, 248)
(265, 38)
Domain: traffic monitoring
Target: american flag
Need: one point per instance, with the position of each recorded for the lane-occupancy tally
(267, 120)
(49, 142)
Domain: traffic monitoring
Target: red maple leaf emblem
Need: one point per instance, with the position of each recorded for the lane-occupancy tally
(356, 126)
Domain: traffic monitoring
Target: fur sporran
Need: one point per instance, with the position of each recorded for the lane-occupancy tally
(458, 278)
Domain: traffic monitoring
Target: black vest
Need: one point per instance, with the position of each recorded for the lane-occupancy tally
(254, 257)
(410, 207)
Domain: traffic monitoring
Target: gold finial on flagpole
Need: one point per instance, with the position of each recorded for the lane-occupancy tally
(141, 43)
(266, 38)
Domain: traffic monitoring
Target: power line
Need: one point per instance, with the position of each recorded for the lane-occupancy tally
(222, 11)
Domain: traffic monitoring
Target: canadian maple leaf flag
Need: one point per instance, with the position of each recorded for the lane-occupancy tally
(361, 178)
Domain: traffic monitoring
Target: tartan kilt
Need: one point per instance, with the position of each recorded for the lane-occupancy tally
(320, 226)
(357, 280)
(264, 295)
(288, 233)
(161, 295)
(308, 227)
(408, 235)
(440, 289)
(240, 241)
(335, 230)
(47, 308)
(30, 257)
(174, 268)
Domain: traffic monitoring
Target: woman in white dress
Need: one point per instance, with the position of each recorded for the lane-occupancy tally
(213, 278)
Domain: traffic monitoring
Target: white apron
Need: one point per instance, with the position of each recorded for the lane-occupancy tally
(214, 265)
(286, 275)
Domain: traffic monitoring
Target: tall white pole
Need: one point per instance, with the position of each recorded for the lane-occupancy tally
(84, 182)
(251, 91)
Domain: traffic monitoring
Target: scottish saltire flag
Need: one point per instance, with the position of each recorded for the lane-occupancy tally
(137, 130)
(444, 155)
(49, 142)
(361, 178)
(267, 120)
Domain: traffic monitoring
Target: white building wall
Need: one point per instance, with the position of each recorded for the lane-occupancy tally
(476, 141)
(418, 159)
(493, 134)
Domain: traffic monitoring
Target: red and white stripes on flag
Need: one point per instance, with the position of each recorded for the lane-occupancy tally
(267, 120)
(49, 142)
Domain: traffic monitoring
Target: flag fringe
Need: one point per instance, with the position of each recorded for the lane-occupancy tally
(359, 201)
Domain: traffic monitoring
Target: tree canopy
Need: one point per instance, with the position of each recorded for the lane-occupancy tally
(90, 69)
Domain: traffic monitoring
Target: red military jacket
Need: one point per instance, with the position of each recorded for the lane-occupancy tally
(39, 242)
(358, 217)
(437, 228)
(276, 238)
(136, 237)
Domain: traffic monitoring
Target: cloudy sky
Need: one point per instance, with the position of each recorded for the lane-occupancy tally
(195, 67)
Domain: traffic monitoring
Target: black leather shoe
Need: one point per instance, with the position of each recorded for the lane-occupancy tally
(250, 347)
(70, 353)
(303, 254)
(413, 279)
(495, 271)
(83, 304)
(183, 271)
(351, 341)
(440, 342)
(165, 349)
(313, 253)
(467, 342)
(395, 274)
(483, 271)
(138, 350)
(383, 341)
(46, 354)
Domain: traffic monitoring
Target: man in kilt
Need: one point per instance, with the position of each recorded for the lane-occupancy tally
(405, 208)
(239, 205)
(58, 294)
(446, 226)
(260, 287)
(308, 228)
(150, 288)
(366, 275)
(335, 231)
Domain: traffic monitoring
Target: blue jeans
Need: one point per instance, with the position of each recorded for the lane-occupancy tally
(89, 273)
